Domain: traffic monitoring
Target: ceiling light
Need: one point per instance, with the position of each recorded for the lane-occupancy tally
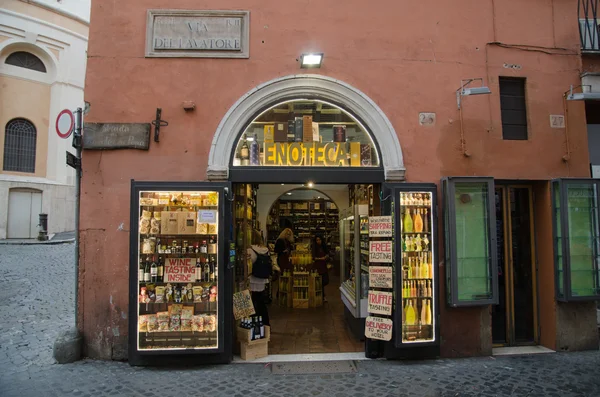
(289, 193)
(310, 184)
(313, 60)
(283, 184)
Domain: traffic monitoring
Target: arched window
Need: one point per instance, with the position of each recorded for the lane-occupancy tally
(19, 146)
(26, 60)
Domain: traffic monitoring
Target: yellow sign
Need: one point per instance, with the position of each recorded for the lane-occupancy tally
(331, 154)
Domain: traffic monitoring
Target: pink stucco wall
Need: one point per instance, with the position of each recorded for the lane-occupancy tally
(407, 56)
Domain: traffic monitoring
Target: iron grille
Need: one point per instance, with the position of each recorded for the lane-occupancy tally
(19, 146)
(589, 31)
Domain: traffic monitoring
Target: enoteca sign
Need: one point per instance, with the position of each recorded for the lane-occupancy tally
(191, 33)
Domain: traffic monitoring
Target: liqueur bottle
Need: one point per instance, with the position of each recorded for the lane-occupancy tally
(153, 271)
(425, 221)
(423, 312)
(141, 271)
(206, 270)
(408, 222)
(254, 151)
(161, 270)
(410, 313)
(428, 313)
(245, 152)
(417, 243)
(204, 247)
(418, 221)
(213, 269)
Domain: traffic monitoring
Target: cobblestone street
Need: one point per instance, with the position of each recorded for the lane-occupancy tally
(37, 303)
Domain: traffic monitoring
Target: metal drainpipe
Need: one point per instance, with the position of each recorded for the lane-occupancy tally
(77, 143)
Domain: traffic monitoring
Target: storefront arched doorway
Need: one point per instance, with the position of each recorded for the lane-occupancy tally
(287, 88)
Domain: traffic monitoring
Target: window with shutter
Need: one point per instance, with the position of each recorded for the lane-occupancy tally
(513, 108)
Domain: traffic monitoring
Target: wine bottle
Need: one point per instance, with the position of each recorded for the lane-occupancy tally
(418, 221)
(213, 270)
(206, 270)
(198, 270)
(425, 221)
(261, 326)
(408, 222)
(141, 271)
(147, 276)
(423, 312)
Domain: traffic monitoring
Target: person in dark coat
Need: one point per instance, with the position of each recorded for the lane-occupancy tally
(320, 256)
(283, 249)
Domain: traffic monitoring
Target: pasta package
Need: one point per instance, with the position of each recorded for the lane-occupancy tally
(187, 315)
(198, 323)
(163, 321)
(202, 228)
(197, 290)
(152, 323)
(212, 228)
(160, 294)
(143, 323)
(175, 309)
(175, 323)
(155, 223)
(210, 323)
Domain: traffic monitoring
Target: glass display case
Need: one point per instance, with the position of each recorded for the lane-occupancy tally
(354, 259)
(576, 239)
(417, 275)
(470, 233)
(178, 256)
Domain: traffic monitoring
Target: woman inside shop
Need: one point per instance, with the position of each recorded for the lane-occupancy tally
(283, 249)
(320, 256)
(258, 254)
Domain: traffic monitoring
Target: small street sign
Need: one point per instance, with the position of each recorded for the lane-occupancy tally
(65, 123)
(73, 161)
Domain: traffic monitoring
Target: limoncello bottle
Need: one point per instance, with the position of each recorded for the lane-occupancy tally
(408, 222)
(410, 314)
(428, 314)
(418, 222)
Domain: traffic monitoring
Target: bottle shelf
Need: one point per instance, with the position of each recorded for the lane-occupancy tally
(160, 235)
(414, 233)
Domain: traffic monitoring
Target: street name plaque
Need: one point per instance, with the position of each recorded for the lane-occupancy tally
(116, 136)
(202, 34)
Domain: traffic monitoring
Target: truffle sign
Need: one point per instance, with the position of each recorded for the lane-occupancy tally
(380, 302)
(191, 33)
(380, 251)
(378, 328)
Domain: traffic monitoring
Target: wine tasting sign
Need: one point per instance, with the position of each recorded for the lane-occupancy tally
(116, 136)
(200, 34)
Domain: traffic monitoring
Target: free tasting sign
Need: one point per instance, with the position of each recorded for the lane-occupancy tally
(200, 34)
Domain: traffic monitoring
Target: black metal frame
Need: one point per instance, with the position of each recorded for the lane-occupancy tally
(223, 353)
(563, 183)
(449, 211)
(391, 206)
(590, 29)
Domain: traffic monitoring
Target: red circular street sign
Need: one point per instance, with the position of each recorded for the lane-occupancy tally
(64, 123)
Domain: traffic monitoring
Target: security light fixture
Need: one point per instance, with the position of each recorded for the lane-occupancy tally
(586, 94)
(313, 60)
(464, 90)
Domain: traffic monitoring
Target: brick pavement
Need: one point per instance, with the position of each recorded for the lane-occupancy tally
(37, 298)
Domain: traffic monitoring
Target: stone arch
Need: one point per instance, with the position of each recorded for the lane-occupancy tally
(48, 58)
(298, 86)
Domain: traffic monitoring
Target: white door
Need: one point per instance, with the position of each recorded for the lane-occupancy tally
(23, 214)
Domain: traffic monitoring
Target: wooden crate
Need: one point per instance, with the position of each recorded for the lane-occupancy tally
(285, 291)
(254, 350)
(315, 295)
(300, 303)
(243, 335)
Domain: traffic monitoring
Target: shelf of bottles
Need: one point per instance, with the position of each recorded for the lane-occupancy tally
(364, 256)
(348, 246)
(245, 222)
(418, 282)
(178, 270)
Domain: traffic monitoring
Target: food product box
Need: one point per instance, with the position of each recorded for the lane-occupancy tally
(269, 133)
(354, 154)
(365, 155)
(169, 222)
(315, 132)
(187, 222)
(307, 131)
(280, 133)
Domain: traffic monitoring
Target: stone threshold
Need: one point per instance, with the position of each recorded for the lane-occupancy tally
(516, 350)
(282, 358)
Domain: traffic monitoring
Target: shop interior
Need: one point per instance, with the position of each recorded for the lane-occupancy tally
(302, 320)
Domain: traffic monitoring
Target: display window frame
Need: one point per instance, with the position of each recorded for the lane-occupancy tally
(559, 190)
(222, 350)
(298, 174)
(450, 242)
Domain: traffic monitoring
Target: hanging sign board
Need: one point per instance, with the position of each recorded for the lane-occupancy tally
(242, 305)
(116, 136)
(180, 270)
(380, 302)
(378, 328)
(380, 277)
(380, 226)
(380, 251)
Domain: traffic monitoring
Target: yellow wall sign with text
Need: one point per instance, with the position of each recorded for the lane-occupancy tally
(331, 154)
